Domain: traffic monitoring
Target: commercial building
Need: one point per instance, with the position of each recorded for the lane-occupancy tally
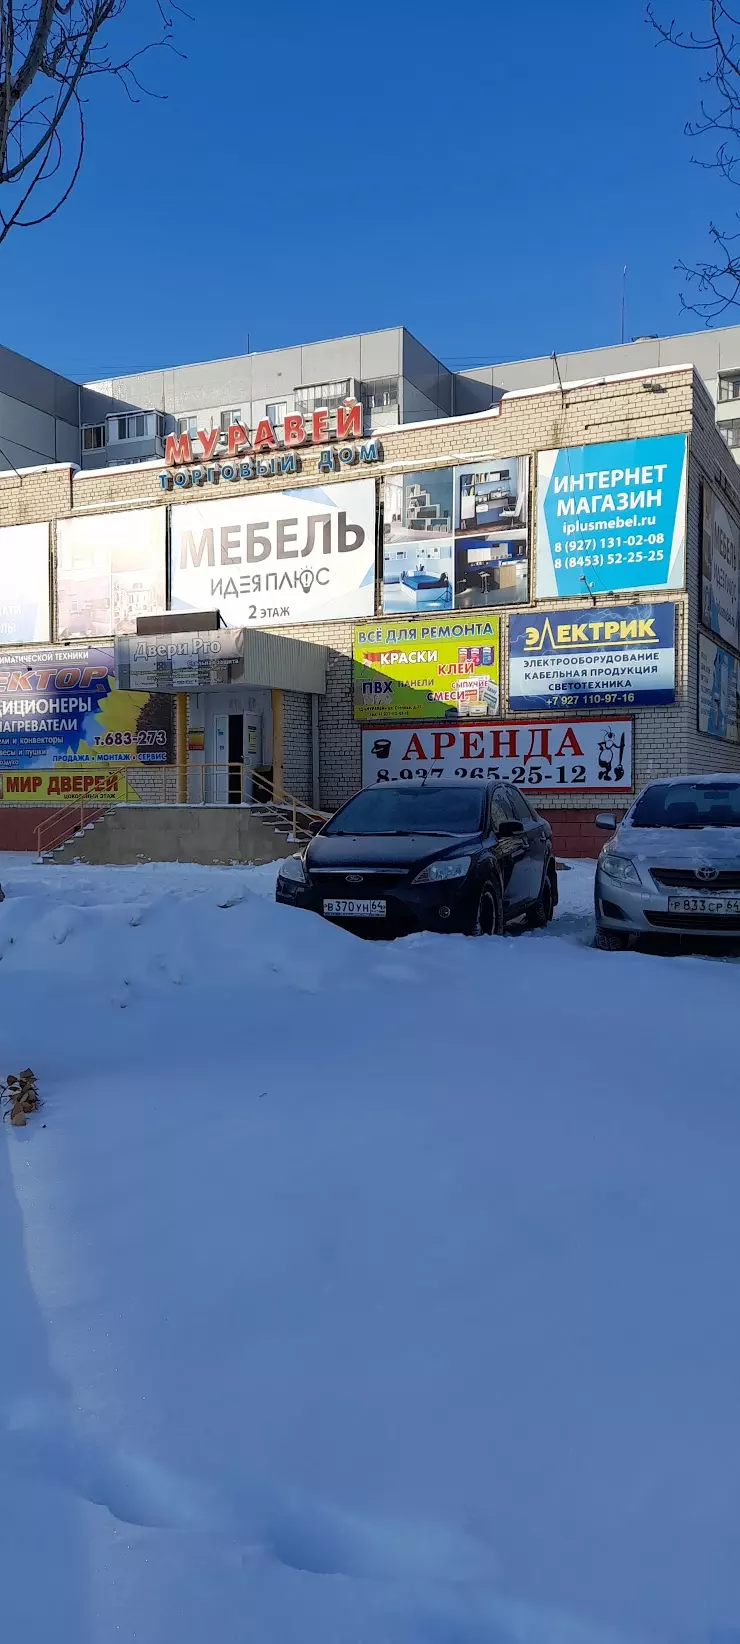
(546, 590)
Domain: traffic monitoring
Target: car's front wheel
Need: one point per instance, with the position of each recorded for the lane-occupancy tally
(611, 941)
(489, 919)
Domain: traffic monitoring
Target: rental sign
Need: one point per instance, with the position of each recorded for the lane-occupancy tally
(570, 756)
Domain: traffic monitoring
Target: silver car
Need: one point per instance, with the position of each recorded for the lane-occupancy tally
(673, 864)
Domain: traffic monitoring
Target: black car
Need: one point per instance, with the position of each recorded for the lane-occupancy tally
(439, 857)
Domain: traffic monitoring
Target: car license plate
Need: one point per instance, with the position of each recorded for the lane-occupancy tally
(704, 904)
(346, 908)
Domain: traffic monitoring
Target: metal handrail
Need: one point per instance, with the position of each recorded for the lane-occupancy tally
(254, 789)
(69, 826)
(282, 800)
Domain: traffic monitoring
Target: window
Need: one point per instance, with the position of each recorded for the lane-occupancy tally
(381, 392)
(710, 804)
(519, 805)
(502, 809)
(139, 426)
(187, 425)
(93, 439)
(325, 395)
(730, 432)
(729, 387)
(229, 417)
(408, 809)
(277, 412)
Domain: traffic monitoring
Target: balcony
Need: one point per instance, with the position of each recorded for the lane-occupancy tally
(134, 436)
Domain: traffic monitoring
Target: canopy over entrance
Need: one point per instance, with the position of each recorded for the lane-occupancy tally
(204, 660)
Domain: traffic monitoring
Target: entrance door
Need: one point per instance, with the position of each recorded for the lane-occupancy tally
(237, 749)
(228, 755)
(235, 758)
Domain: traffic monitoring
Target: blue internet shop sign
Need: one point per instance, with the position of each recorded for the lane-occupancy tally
(611, 518)
(619, 656)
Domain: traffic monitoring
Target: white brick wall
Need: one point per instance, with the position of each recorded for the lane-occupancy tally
(297, 751)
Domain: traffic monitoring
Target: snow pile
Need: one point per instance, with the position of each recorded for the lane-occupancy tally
(357, 1291)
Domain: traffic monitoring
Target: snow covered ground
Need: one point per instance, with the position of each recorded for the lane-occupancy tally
(355, 1293)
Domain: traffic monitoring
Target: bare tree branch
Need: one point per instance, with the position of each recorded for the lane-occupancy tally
(58, 45)
(28, 70)
(34, 221)
(714, 286)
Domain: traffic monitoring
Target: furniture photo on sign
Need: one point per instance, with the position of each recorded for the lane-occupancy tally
(490, 572)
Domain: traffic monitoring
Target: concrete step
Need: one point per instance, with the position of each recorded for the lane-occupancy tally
(219, 834)
(69, 849)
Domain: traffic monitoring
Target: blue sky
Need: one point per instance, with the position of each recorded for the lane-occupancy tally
(478, 172)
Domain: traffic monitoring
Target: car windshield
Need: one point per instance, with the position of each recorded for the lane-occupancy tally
(410, 810)
(689, 805)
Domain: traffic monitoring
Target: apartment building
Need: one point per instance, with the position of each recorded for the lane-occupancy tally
(45, 417)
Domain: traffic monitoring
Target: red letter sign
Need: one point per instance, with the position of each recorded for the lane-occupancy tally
(294, 430)
(265, 436)
(320, 426)
(441, 741)
(349, 422)
(208, 440)
(177, 448)
(238, 438)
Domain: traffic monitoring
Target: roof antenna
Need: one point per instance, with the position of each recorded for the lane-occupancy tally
(589, 589)
(554, 359)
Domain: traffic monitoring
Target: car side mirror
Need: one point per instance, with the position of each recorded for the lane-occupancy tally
(606, 819)
(508, 829)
